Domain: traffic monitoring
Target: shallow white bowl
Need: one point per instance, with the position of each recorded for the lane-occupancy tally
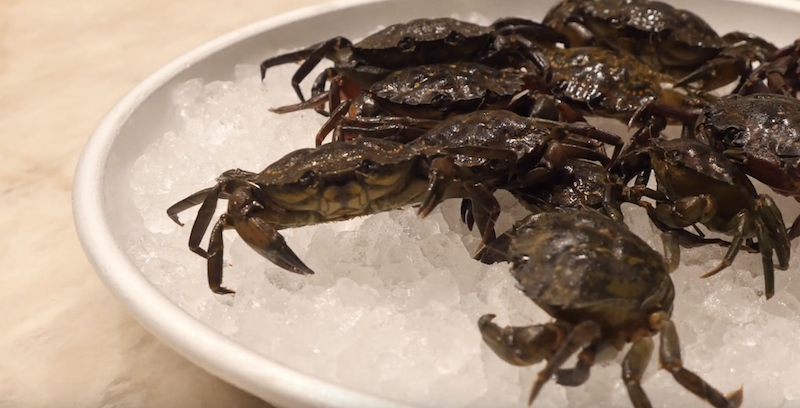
(104, 211)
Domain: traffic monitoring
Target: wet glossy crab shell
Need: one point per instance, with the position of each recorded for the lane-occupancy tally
(423, 41)
(496, 129)
(661, 36)
(578, 183)
(602, 82)
(767, 129)
(581, 265)
(446, 87)
(690, 168)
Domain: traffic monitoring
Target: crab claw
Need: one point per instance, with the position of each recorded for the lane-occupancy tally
(269, 243)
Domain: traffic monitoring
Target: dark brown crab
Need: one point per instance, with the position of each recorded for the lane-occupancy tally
(699, 185)
(672, 41)
(334, 182)
(781, 72)
(576, 184)
(348, 179)
(418, 42)
(599, 82)
(761, 133)
(410, 101)
(605, 287)
(538, 148)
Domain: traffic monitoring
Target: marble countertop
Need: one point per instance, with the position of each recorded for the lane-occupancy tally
(66, 340)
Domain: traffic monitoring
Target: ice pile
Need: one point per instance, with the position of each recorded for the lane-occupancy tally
(392, 310)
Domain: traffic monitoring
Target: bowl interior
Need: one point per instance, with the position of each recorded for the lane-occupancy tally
(149, 112)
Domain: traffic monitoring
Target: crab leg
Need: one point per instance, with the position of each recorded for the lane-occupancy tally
(215, 252)
(388, 125)
(772, 218)
(584, 129)
(187, 203)
(316, 101)
(740, 225)
(769, 223)
(578, 375)
(311, 56)
(444, 171)
(584, 334)
(633, 367)
(733, 62)
(203, 220)
(669, 356)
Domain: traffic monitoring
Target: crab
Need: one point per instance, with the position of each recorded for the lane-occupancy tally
(672, 41)
(337, 181)
(576, 184)
(422, 41)
(760, 133)
(781, 71)
(538, 147)
(410, 101)
(699, 185)
(347, 179)
(605, 287)
(599, 82)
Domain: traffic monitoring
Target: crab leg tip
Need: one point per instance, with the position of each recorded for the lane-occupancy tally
(735, 398)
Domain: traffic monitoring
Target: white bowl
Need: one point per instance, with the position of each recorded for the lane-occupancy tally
(104, 211)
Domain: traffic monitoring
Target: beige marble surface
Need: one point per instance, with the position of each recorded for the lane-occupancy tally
(65, 339)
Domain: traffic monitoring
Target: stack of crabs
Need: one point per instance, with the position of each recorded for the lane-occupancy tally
(435, 109)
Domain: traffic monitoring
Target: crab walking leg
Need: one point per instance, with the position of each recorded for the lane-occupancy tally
(313, 55)
(485, 210)
(771, 215)
(444, 171)
(330, 75)
(586, 130)
(582, 335)
(203, 220)
(573, 377)
(385, 126)
(187, 203)
(633, 367)
(611, 202)
(215, 252)
(731, 63)
(669, 356)
(765, 245)
(316, 101)
(740, 225)
(200, 196)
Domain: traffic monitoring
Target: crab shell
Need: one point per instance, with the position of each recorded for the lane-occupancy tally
(423, 41)
(581, 265)
(441, 88)
(660, 35)
(766, 127)
(603, 82)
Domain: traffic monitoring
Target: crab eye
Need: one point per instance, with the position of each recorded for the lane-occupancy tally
(308, 179)
(407, 44)
(440, 101)
(367, 167)
(673, 156)
(454, 38)
(730, 135)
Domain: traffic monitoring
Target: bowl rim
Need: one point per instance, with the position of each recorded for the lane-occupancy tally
(209, 349)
